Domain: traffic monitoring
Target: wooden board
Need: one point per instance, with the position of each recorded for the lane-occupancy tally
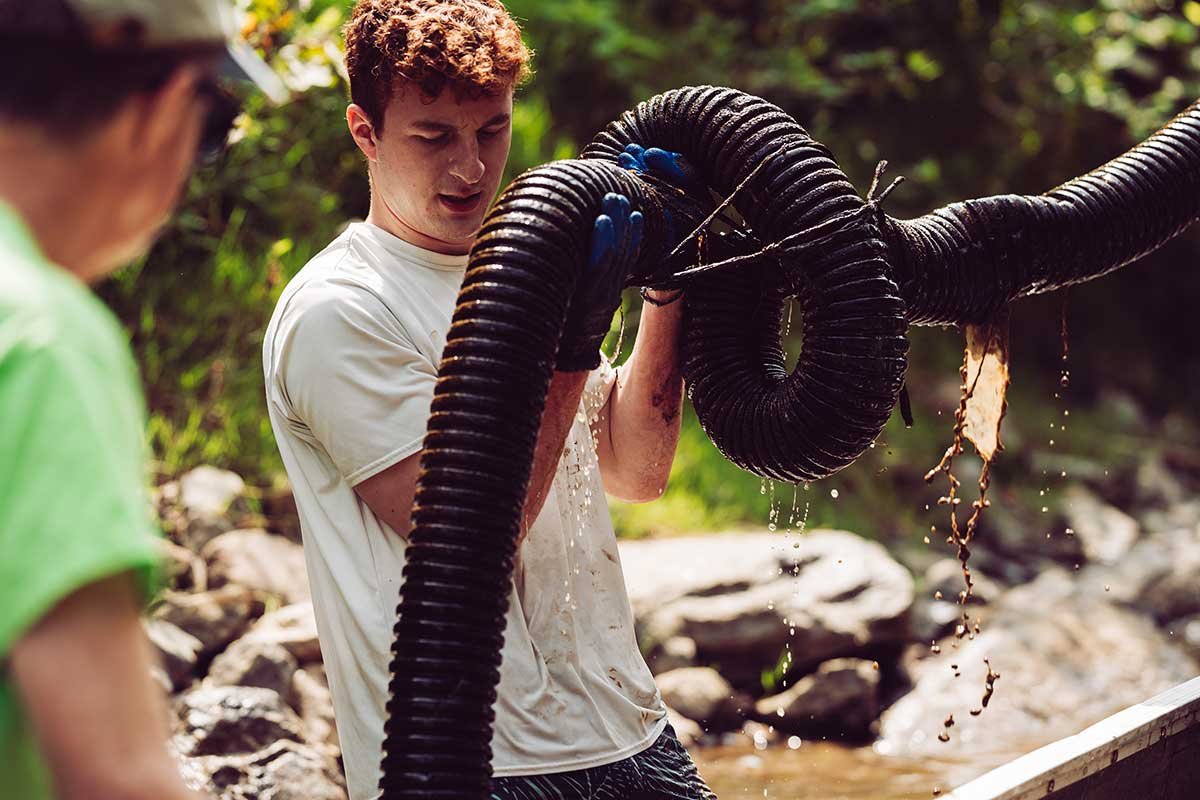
(1150, 751)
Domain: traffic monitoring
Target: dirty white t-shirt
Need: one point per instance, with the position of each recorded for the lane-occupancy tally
(350, 359)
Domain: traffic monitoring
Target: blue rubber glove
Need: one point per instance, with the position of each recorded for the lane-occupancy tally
(616, 240)
(666, 165)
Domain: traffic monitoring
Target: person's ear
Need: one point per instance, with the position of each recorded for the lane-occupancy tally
(363, 131)
(169, 118)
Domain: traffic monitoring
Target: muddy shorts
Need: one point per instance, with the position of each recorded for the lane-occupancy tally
(663, 771)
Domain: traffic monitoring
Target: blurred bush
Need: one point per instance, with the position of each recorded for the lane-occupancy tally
(965, 98)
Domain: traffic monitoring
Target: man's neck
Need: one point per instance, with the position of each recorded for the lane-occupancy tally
(381, 216)
(52, 197)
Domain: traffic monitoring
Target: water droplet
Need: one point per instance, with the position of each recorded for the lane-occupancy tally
(794, 742)
(833, 493)
(779, 712)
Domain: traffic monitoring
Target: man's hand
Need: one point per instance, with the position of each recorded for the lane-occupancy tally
(616, 240)
(665, 165)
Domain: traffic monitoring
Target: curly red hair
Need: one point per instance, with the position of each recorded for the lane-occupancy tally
(473, 47)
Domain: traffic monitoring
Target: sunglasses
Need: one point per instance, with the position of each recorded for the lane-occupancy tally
(223, 109)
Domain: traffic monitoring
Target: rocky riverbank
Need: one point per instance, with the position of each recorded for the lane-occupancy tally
(753, 635)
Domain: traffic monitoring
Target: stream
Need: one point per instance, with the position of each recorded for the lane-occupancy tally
(824, 771)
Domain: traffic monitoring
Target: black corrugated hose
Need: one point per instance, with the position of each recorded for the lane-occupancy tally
(860, 278)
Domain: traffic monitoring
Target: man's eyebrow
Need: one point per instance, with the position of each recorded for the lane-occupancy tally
(433, 125)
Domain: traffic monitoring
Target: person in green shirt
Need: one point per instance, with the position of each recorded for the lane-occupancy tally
(104, 105)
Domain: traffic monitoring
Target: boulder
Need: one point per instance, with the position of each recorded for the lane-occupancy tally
(258, 560)
(932, 618)
(182, 569)
(1066, 658)
(177, 651)
(945, 576)
(676, 652)
(1160, 575)
(223, 720)
(315, 706)
(1185, 632)
(216, 617)
(744, 597)
(226, 720)
(1016, 542)
(1105, 533)
(284, 770)
(294, 627)
(701, 694)
(251, 662)
(840, 698)
(1155, 486)
(202, 505)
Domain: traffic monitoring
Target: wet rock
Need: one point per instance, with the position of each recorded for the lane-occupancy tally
(177, 651)
(932, 619)
(315, 706)
(1159, 576)
(1185, 632)
(1155, 486)
(182, 569)
(201, 505)
(676, 652)
(223, 720)
(840, 698)
(743, 597)
(284, 770)
(251, 662)
(1105, 533)
(1066, 659)
(946, 577)
(258, 560)
(215, 618)
(701, 694)
(1022, 541)
(294, 627)
(1180, 515)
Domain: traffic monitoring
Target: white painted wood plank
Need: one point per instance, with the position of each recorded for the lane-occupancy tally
(1113, 739)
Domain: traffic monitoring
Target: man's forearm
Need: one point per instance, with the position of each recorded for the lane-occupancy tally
(644, 409)
(83, 676)
(562, 404)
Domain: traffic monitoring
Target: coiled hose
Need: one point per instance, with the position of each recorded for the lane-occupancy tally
(860, 278)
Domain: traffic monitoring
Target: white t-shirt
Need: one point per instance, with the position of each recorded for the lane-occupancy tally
(350, 359)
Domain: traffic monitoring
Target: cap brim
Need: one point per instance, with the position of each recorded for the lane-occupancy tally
(242, 62)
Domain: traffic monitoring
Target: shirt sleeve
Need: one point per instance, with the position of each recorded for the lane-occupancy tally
(73, 505)
(354, 379)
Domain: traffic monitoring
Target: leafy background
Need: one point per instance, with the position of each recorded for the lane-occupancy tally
(965, 98)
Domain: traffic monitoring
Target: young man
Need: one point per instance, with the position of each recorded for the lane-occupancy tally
(102, 109)
(350, 360)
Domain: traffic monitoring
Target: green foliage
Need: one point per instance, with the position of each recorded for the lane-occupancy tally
(964, 97)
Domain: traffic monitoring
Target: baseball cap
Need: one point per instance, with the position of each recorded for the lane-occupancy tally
(149, 24)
